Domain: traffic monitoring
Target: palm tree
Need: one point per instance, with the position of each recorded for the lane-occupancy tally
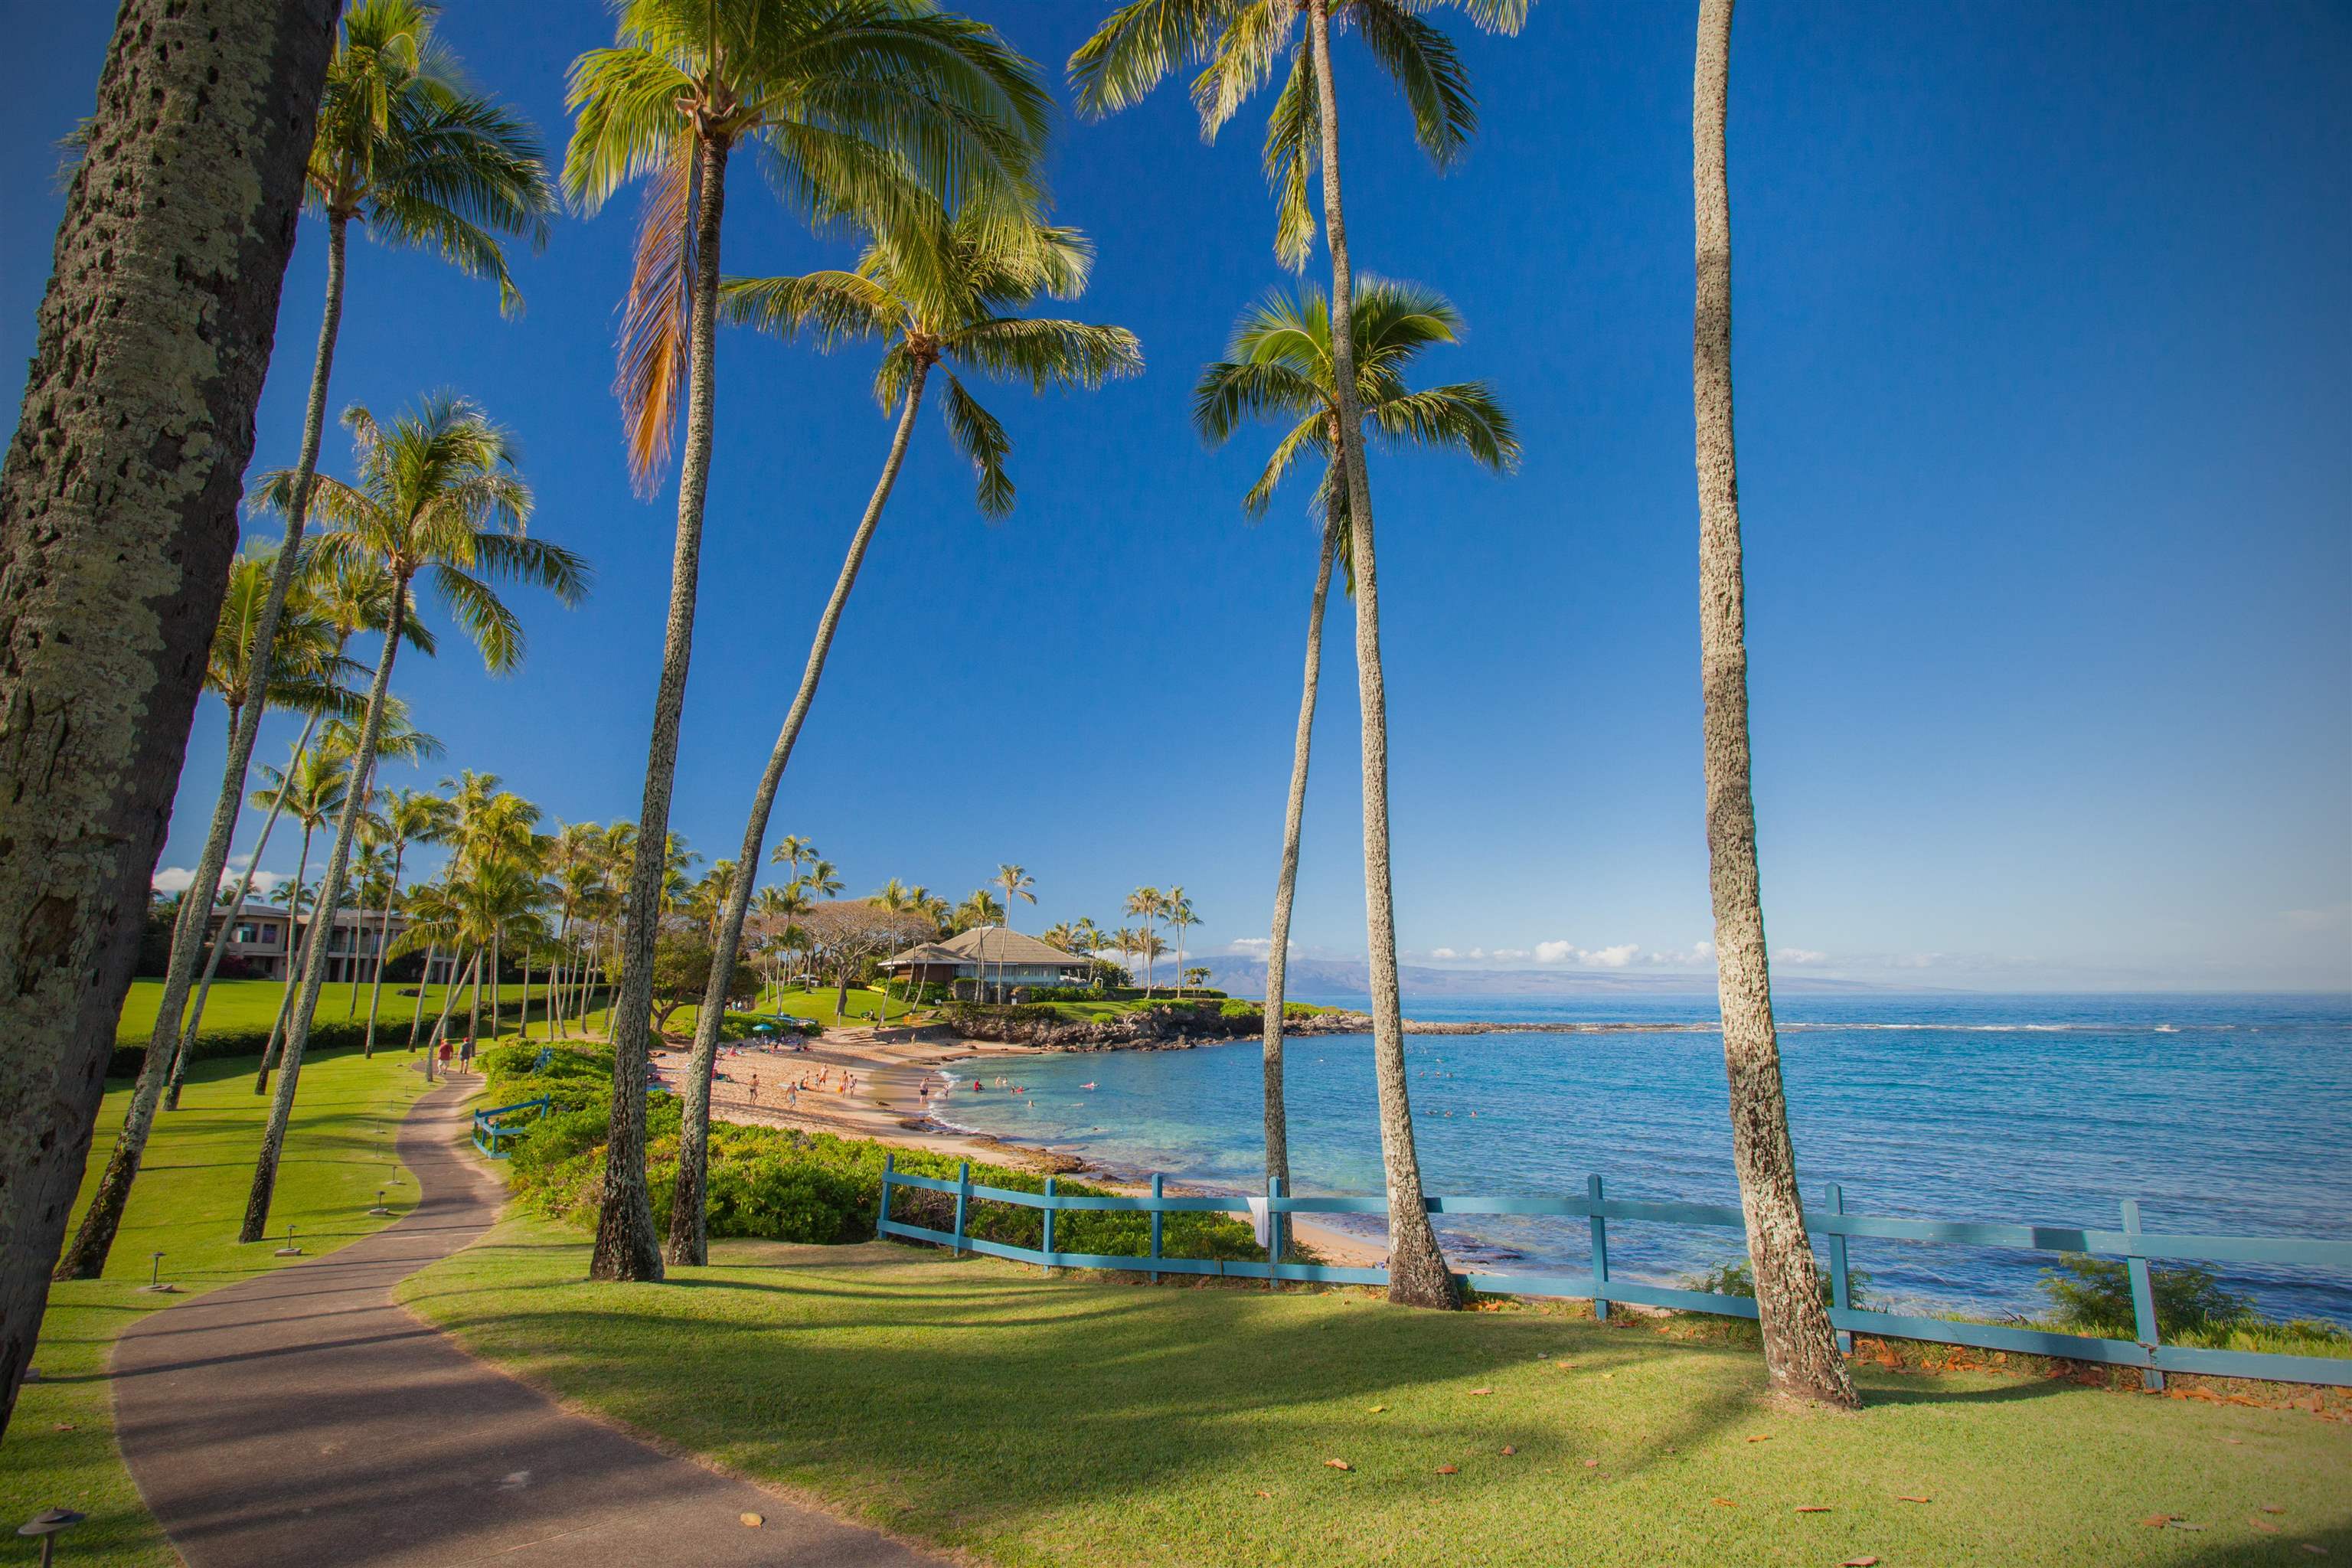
(791, 850)
(436, 497)
(311, 789)
(407, 150)
(1239, 42)
(857, 106)
(1801, 1355)
(1279, 367)
(410, 816)
(822, 879)
(117, 492)
(1017, 884)
(1145, 904)
(931, 291)
(1178, 911)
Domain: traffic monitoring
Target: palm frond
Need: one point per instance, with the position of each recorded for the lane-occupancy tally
(494, 627)
(978, 437)
(1139, 44)
(1294, 149)
(1421, 60)
(1466, 415)
(656, 320)
(1047, 353)
(834, 306)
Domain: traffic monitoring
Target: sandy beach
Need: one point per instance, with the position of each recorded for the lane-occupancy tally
(889, 1084)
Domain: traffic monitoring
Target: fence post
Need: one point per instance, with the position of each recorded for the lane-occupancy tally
(1599, 1254)
(963, 1203)
(1274, 1188)
(1049, 1228)
(1840, 1291)
(2143, 1291)
(882, 1214)
(1155, 1224)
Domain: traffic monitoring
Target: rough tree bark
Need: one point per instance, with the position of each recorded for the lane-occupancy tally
(1418, 1276)
(1277, 1116)
(626, 1247)
(688, 1242)
(118, 518)
(1801, 1355)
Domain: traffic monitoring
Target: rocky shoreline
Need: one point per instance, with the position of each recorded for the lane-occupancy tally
(1181, 1028)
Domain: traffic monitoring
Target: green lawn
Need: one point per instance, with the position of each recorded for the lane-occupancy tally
(253, 1004)
(60, 1450)
(1075, 1420)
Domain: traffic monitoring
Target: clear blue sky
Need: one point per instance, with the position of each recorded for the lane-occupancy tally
(2044, 358)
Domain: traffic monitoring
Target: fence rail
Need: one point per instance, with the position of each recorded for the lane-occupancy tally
(1829, 1220)
(491, 1131)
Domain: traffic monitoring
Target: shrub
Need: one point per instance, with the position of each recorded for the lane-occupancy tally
(326, 1034)
(1737, 1278)
(2093, 1296)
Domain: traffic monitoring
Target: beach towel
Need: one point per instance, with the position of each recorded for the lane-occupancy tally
(1261, 1222)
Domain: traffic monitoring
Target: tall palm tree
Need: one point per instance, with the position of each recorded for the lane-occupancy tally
(934, 292)
(1801, 1355)
(1279, 367)
(856, 106)
(179, 154)
(410, 816)
(1179, 914)
(791, 850)
(1239, 43)
(1145, 904)
(404, 147)
(437, 496)
(311, 789)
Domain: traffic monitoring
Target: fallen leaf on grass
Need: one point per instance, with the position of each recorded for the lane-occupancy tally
(2158, 1520)
(1915, 1500)
(1761, 1437)
(1608, 1375)
(1812, 1508)
(64, 1426)
(2273, 1508)
(1859, 1562)
(1508, 1450)
(1339, 1464)
(2265, 1525)
(1374, 1409)
(1562, 1365)
(1476, 1392)
(1592, 1464)
(1263, 1492)
(2184, 1524)
(1449, 1470)
(1722, 1502)
(2313, 1547)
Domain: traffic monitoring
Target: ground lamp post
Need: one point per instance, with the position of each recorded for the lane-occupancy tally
(49, 1524)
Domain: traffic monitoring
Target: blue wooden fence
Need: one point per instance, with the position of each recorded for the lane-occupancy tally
(1828, 1220)
(491, 1131)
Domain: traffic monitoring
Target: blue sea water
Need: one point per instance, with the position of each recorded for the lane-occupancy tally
(2219, 1113)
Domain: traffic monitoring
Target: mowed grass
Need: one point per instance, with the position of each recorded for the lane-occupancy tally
(976, 1405)
(239, 1005)
(60, 1450)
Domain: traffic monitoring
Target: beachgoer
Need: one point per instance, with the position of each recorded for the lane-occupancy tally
(466, 1055)
(446, 1052)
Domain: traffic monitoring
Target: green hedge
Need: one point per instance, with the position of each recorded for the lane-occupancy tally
(784, 1185)
(338, 1035)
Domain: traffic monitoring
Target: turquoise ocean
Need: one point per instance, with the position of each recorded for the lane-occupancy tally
(2218, 1113)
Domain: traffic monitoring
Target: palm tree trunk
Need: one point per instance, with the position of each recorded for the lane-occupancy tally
(416, 1014)
(1418, 1275)
(314, 966)
(687, 1243)
(87, 1257)
(1277, 954)
(626, 1247)
(382, 940)
(293, 924)
(118, 520)
(474, 1005)
(186, 1050)
(1800, 1357)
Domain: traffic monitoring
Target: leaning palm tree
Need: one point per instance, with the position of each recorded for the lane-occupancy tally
(1239, 43)
(1145, 904)
(1180, 915)
(1017, 884)
(405, 148)
(311, 789)
(936, 293)
(1279, 367)
(437, 496)
(1801, 1355)
(856, 107)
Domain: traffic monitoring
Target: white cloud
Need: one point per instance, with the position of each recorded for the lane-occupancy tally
(177, 879)
(1616, 957)
(1442, 954)
(1251, 946)
(1800, 955)
(1507, 953)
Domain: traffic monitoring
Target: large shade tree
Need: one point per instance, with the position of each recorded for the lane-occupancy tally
(408, 150)
(437, 498)
(1801, 1354)
(864, 107)
(1240, 44)
(118, 519)
(938, 295)
(1279, 368)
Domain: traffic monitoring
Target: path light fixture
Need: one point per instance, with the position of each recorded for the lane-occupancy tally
(49, 1524)
(289, 1249)
(378, 1208)
(155, 1279)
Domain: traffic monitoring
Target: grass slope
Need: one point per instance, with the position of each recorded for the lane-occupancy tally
(1071, 1421)
(238, 1005)
(59, 1450)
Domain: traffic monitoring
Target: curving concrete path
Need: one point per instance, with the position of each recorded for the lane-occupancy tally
(302, 1418)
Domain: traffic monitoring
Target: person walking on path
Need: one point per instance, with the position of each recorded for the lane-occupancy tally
(466, 1055)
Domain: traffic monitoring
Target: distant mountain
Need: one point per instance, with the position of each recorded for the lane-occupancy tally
(1352, 977)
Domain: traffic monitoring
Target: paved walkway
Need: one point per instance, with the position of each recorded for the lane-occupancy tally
(302, 1420)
